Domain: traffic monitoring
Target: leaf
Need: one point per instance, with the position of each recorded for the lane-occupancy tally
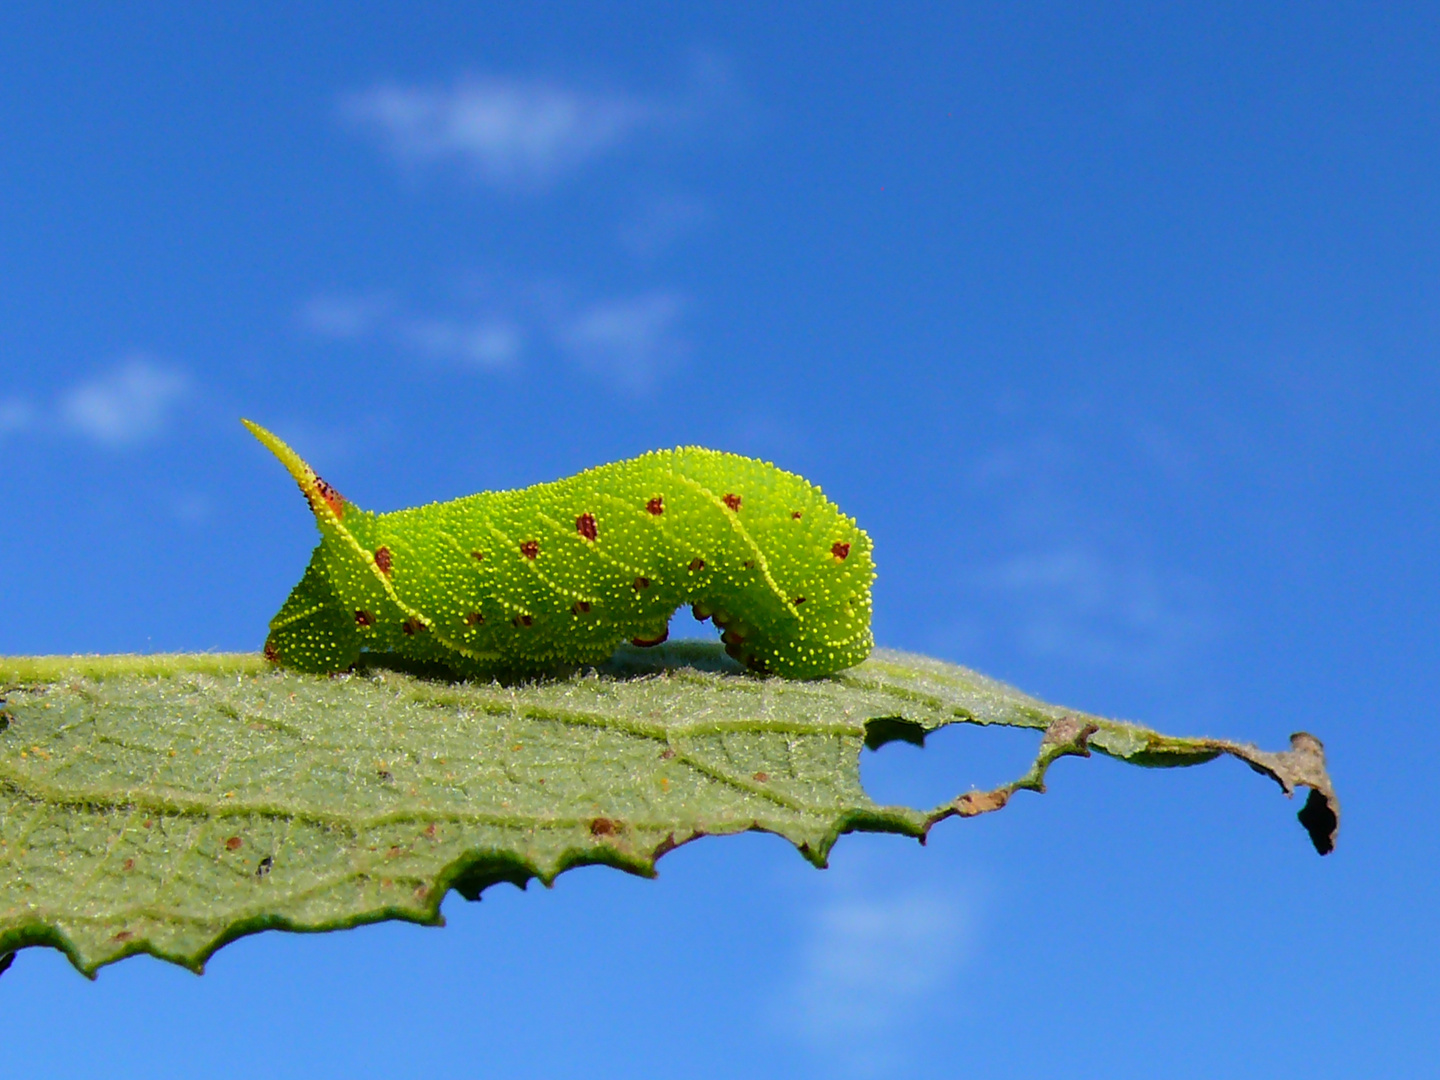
(169, 804)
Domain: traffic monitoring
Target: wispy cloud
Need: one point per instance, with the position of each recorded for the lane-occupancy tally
(485, 343)
(334, 315)
(656, 226)
(868, 963)
(628, 340)
(1075, 603)
(126, 405)
(16, 415)
(511, 133)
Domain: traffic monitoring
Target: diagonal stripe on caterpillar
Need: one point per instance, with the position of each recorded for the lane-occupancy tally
(562, 573)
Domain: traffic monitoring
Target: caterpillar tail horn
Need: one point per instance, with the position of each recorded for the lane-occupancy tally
(326, 503)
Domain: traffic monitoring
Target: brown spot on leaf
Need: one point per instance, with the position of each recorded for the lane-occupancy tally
(840, 549)
(123, 935)
(646, 643)
(474, 619)
(603, 826)
(585, 526)
(149, 822)
(233, 844)
(761, 777)
(656, 506)
(530, 548)
(667, 754)
(580, 607)
(430, 830)
(364, 618)
(129, 864)
(732, 501)
(385, 775)
(981, 802)
(382, 559)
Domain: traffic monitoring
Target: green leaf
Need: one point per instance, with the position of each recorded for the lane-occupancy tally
(169, 804)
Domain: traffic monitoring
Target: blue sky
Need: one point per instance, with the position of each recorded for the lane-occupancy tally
(1118, 327)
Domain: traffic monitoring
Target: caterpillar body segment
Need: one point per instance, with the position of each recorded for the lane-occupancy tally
(561, 573)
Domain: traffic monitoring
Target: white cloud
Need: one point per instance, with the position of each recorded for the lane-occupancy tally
(511, 133)
(868, 963)
(628, 340)
(128, 405)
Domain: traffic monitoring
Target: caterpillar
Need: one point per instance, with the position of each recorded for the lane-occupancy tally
(562, 573)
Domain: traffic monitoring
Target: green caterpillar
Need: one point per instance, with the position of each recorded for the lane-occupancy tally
(562, 573)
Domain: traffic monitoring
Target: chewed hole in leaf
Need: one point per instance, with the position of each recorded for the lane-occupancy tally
(924, 769)
(685, 627)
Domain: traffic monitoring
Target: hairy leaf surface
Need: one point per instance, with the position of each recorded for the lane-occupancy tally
(169, 804)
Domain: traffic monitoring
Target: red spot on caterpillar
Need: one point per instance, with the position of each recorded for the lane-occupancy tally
(840, 549)
(382, 559)
(412, 626)
(271, 653)
(364, 618)
(642, 583)
(580, 607)
(656, 505)
(474, 619)
(603, 826)
(795, 515)
(585, 526)
(748, 564)
(530, 548)
(646, 643)
(331, 497)
(233, 844)
(733, 502)
(696, 565)
(477, 555)
(798, 601)
(523, 620)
